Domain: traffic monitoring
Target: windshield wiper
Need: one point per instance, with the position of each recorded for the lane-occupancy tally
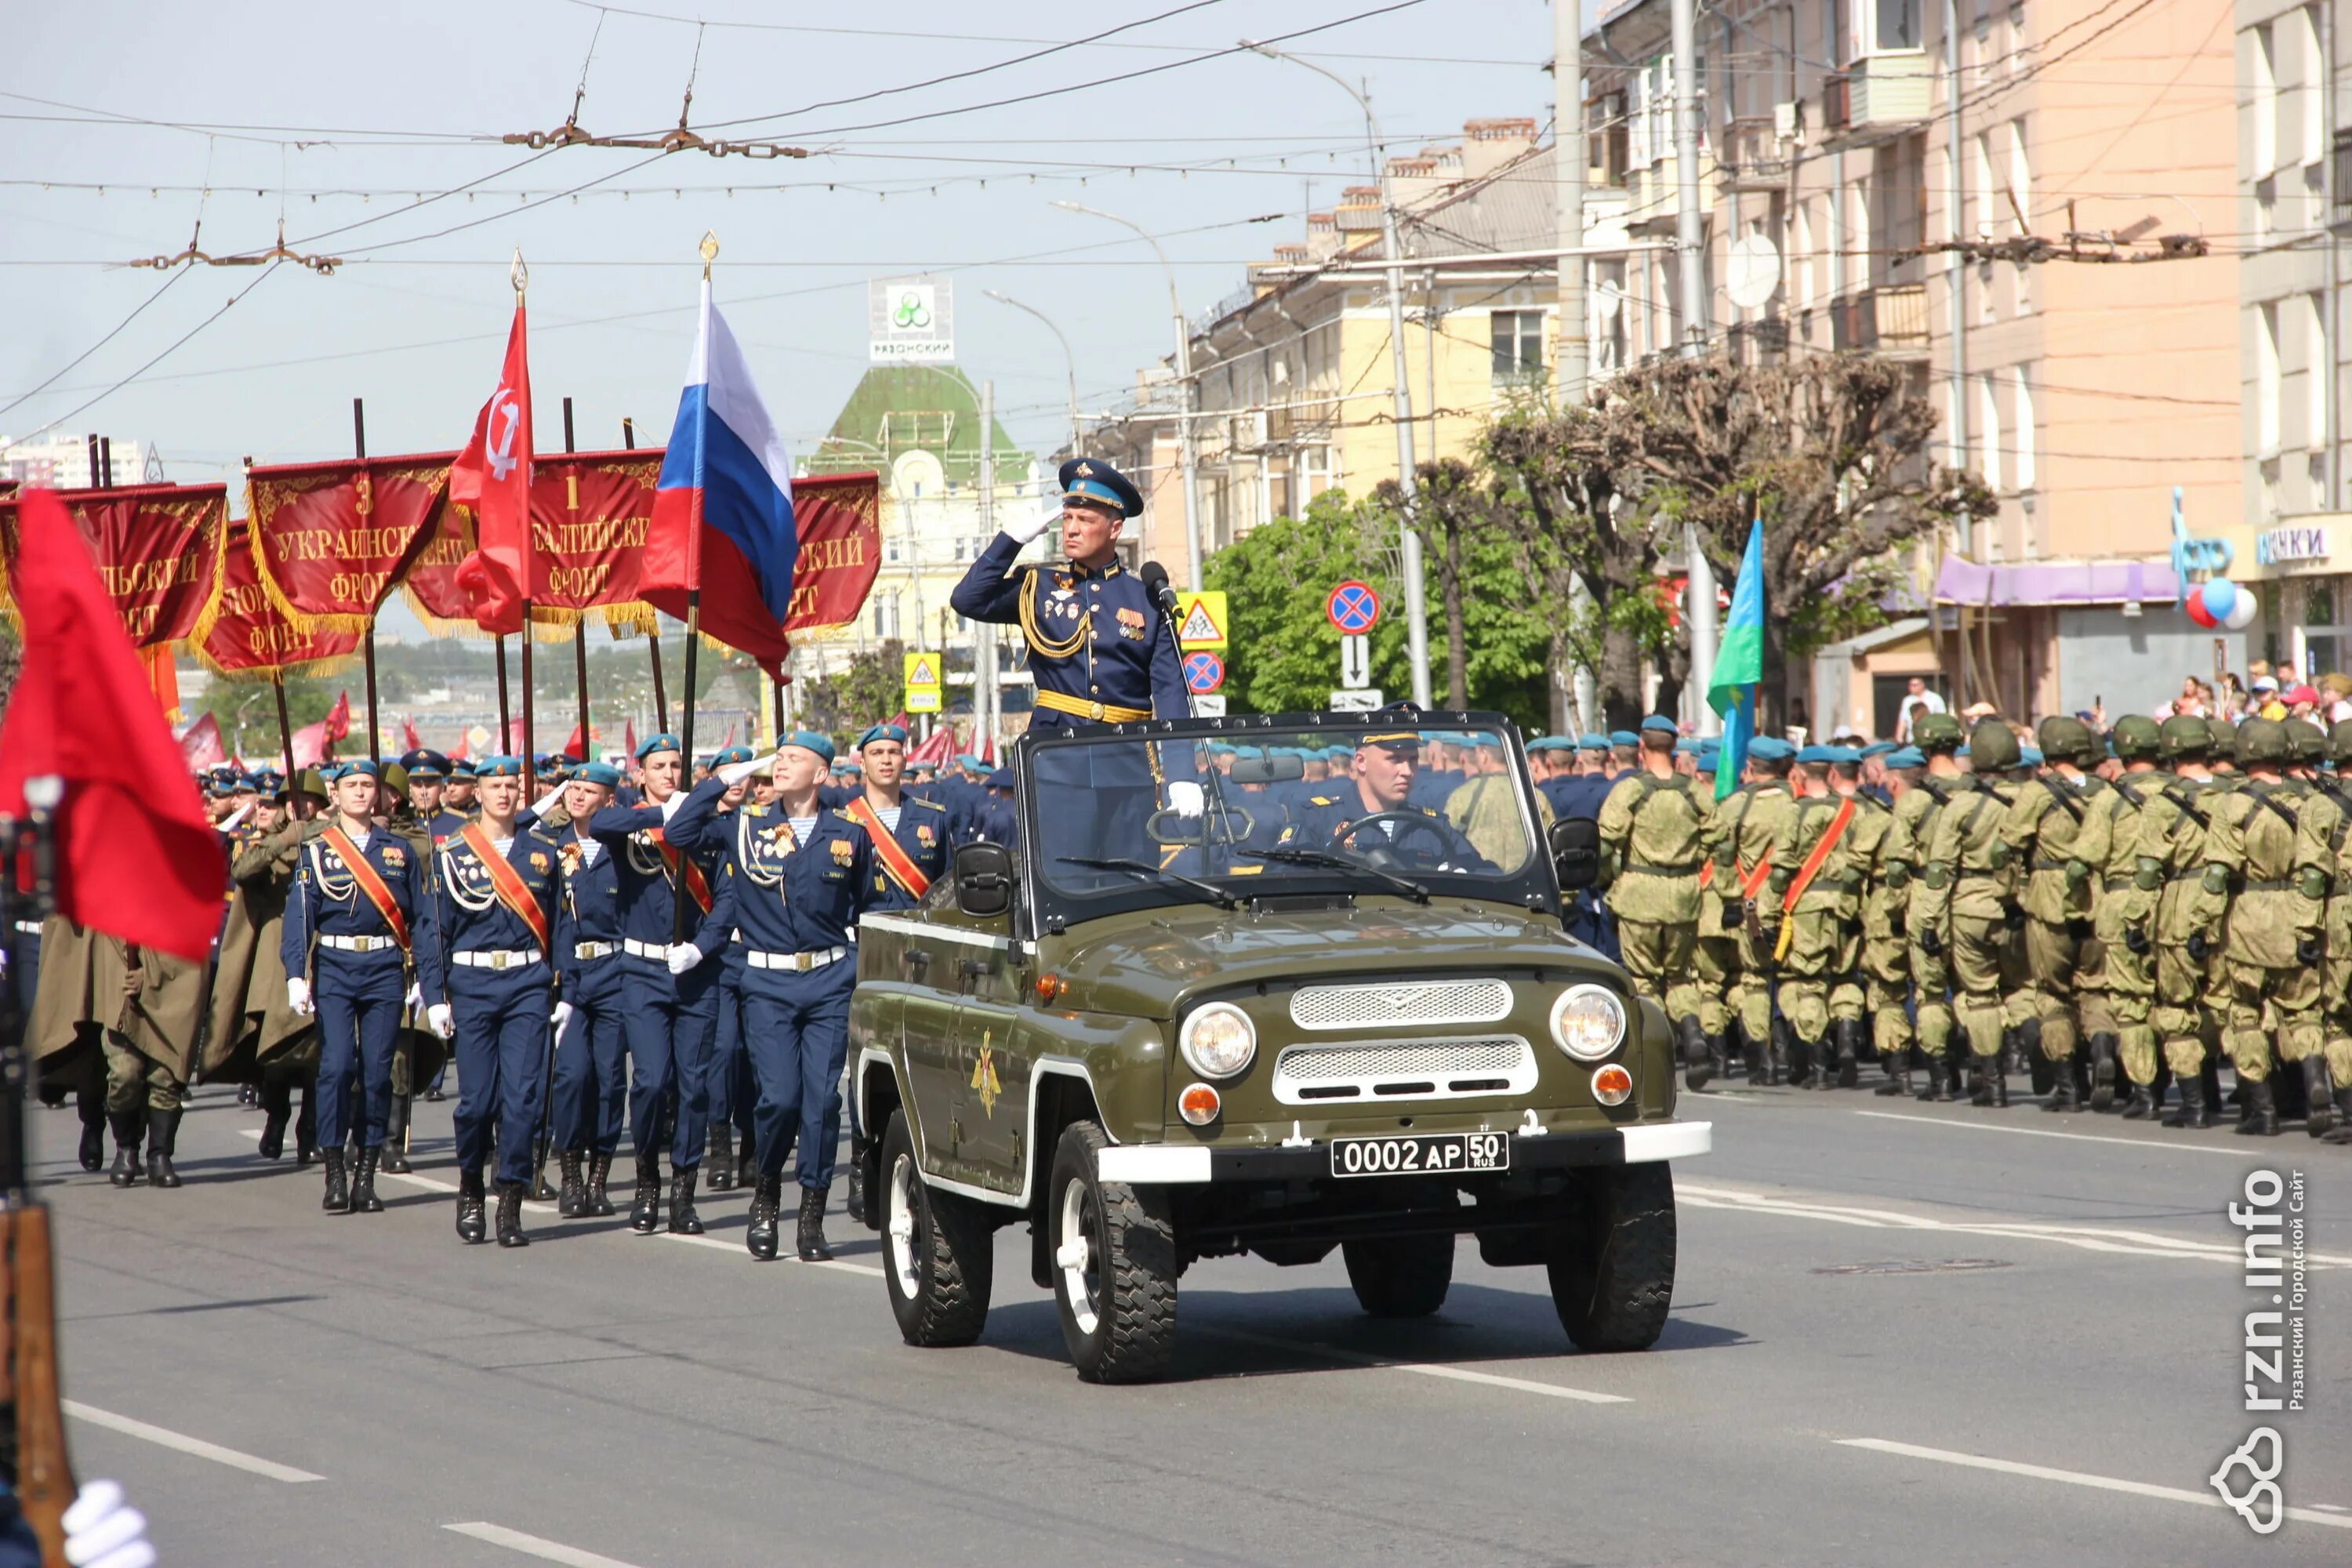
(1146, 869)
(1405, 885)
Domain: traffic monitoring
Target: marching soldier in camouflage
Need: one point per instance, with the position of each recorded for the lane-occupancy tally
(1743, 845)
(2263, 898)
(2172, 855)
(1834, 835)
(2049, 849)
(1652, 828)
(2334, 1119)
(1885, 948)
(1974, 921)
(1938, 737)
(1726, 884)
(2115, 984)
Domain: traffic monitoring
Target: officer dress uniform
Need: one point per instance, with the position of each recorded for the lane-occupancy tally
(591, 1086)
(669, 1021)
(794, 890)
(355, 954)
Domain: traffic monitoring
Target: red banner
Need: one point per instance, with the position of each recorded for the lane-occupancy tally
(157, 549)
(249, 632)
(431, 587)
(589, 515)
(332, 539)
(839, 520)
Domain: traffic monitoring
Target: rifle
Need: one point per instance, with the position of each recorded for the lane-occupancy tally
(33, 1458)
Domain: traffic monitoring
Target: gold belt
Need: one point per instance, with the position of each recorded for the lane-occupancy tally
(1101, 712)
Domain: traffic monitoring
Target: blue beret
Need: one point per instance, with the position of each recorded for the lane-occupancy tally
(1907, 757)
(731, 754)
(1843, 756)
(357, 766)
(1771, 749)
(809, 741)
(1686, 746)
(882, 732)
(463, 768)
(1589, 741)
(1660, 721)
(499, 768)
(2029, 756)
(1338, 753)
(846, 766)
(1817, 754)
(969, 763)
(1878, 748)
(664, 742)
(1710, 744)
(1092, 480)
(1221, 748)
(1707, 762)
(1551, 744)
(1623, 738)
(604, 774)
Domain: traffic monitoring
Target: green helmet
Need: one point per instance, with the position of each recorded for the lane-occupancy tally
(2069, 740)
(1937, 732)
(2185, 737)
(1992, 747)
(2339, 745)
(2263, 740)
(2136, 738)
(2306, 742)
(2225, 737)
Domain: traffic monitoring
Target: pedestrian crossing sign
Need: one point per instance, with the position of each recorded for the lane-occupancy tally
(1200, 619)
(923, 682)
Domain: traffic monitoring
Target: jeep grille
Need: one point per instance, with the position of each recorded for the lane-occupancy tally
(1401, 1003)
(1359, 1070)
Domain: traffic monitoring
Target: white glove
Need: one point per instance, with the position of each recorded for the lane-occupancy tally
(669, 807)
(440, 1020)
(297, 996)
(1184, 797)
(560, 1017)
(683, 956)
(415, 997)
(1021, 532)
(103, 1530)
(734, 773)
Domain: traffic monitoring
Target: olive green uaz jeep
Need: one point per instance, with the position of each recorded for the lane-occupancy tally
(1240, 988)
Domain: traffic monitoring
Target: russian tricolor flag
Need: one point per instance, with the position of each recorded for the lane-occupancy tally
(722, 517)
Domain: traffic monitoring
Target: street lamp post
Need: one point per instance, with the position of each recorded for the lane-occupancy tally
(1068, 359)
(1187, 455)
(1416, 620)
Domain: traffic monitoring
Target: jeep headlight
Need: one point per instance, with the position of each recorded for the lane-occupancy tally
(1217, 1040)
(1587, 1022)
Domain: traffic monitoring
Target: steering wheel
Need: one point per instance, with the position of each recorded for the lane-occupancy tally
(1386, 851)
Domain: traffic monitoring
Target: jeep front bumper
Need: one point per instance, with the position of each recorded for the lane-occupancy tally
(1175, 1164)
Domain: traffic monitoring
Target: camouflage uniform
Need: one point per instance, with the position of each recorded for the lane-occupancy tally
(1819, 944)
(1915, 811)
(1741, 845)
(1651, 829)
(2335, 1058)
(2115, 983)
(2171, 855)
(1964, 865)
(2048, 848)
(1885, 953)
(1723, 909)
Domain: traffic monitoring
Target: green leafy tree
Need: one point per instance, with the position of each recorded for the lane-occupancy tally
(871, 687)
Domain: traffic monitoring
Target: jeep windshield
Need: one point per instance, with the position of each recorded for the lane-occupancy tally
(1161, 813)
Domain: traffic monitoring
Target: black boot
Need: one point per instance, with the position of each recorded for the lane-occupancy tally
(1897, 1063)
(1751, 1056)
(395, 1136)
(2103, 1072)
(721, 1157)
(2062, 1096)
(510, 1215)
(1699, 1064)
(767, 1201)
(338, 1198)
(1847, 1035)
(2343, 1134)
(127, 1128)
(2000, 1066)
(470, 1202)
(306, 1131)
(600, 1170)
(2321, 1094)
(1938, 1074)
(747, 1166)
(278, 1106)
(812, 1248)
(1980, 1076)
(2193, 1111)
(683, 1220)
(572, 1198)
(2012, 1050)
(162, 1133)
(92, 1111)
(2261, 1114)
(1778, 1066)
(853, 1200)
(2140, 1105)
(363, 1170)
(645, 1215)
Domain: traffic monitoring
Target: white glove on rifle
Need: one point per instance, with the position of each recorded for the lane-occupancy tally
(1185, 798)
(103, 1530)
(297, 996)
(1021, 532)
(560, 1017)
(683, 956)
(440, 1020)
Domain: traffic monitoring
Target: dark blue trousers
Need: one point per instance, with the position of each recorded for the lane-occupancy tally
(798, 1028)
(733, 1092)
(502, 1050)
(670, 1026)
(591, 1083)
(359, 996)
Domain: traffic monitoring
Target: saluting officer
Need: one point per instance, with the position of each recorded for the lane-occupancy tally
(591, 1082)
(358, 896)
(488, 982)
(794, 878)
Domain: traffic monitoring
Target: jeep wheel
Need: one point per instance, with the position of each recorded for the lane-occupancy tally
(938, 1251)
(1400, 1276)
(1612, 1273)
(1114, 1265)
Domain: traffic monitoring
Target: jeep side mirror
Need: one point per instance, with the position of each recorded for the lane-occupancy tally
(1575, 843)
(983, 874)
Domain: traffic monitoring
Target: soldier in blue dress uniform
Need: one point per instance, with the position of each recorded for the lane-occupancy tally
(591, 1084)
(486, 968)
(794, 874)
(357, 903)
(732, 1092)
(669, 996)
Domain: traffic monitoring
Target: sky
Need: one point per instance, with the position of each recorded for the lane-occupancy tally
(339, 120)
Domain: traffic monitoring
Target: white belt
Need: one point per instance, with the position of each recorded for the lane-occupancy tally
(358, 943)
(486, 959)
(587, 950)
(636, 949)
(29, 928)
(798, 962)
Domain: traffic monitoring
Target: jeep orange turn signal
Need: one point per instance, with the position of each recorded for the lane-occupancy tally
(1611, 1084)
(1050, 986)
(1198, 1104)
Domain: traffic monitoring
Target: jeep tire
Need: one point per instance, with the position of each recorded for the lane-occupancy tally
(1112, 1249)
(1399, 1276)
(1613, 1266)
(937, 1250)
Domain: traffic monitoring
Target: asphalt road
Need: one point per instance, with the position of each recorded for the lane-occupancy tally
(1900, 1334)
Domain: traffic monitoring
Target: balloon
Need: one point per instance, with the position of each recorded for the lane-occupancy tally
(2221, 597)
(2241, 613)
(2197, 610)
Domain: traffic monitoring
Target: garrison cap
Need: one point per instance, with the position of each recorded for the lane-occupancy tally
(2136, 737)
(2306, 742)
(1095, 482)
(1661, 722)
(602, 774)
(1907, 757)
(2261, 741)
(663, 742)
(1991, 747)
(808, 741)
(882, 732)
(396, 779)
(1771, 749)
(2069, 739)
(1932, 729)
(499, 768)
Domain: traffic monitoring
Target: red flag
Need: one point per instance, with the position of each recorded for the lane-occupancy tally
(136, 858)
(492, 475)
(337, 722)
(408, 735)
(457, 753)
(629, 738)
(576, 748)
(938, 750)
(201, 747)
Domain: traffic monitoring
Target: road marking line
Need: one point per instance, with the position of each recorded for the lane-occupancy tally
(536, 1546)
(2090, 1238)
(1423, 1369)
(2071, 1478)
(2160, 1145)
(165, 1438)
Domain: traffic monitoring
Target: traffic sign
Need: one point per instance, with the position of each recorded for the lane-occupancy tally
(923, 673)
(1364, 699)
(1356, 661)
(1211, 707)
(1200, 619)
(1353, 607)
(1203, 672)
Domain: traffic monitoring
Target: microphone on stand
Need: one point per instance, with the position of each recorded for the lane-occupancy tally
(1162, 591)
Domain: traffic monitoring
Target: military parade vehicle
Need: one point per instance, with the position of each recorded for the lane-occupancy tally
(1210, 1003)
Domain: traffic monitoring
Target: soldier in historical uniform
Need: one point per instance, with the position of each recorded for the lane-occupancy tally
(1653, 829)
(1834, 836)
(256, 1036)
(2052, 857)
(359, 894)
(2116, 981)
(1974, 913)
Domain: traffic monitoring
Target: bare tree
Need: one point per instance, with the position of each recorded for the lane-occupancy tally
(1455, 508)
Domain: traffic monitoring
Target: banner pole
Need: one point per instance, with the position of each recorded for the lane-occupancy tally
(367, 651)
(652, 633)
(506, 724)
(579, 629)
(286, 743)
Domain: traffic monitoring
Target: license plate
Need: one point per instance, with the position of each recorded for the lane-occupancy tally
(1421, 1154)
